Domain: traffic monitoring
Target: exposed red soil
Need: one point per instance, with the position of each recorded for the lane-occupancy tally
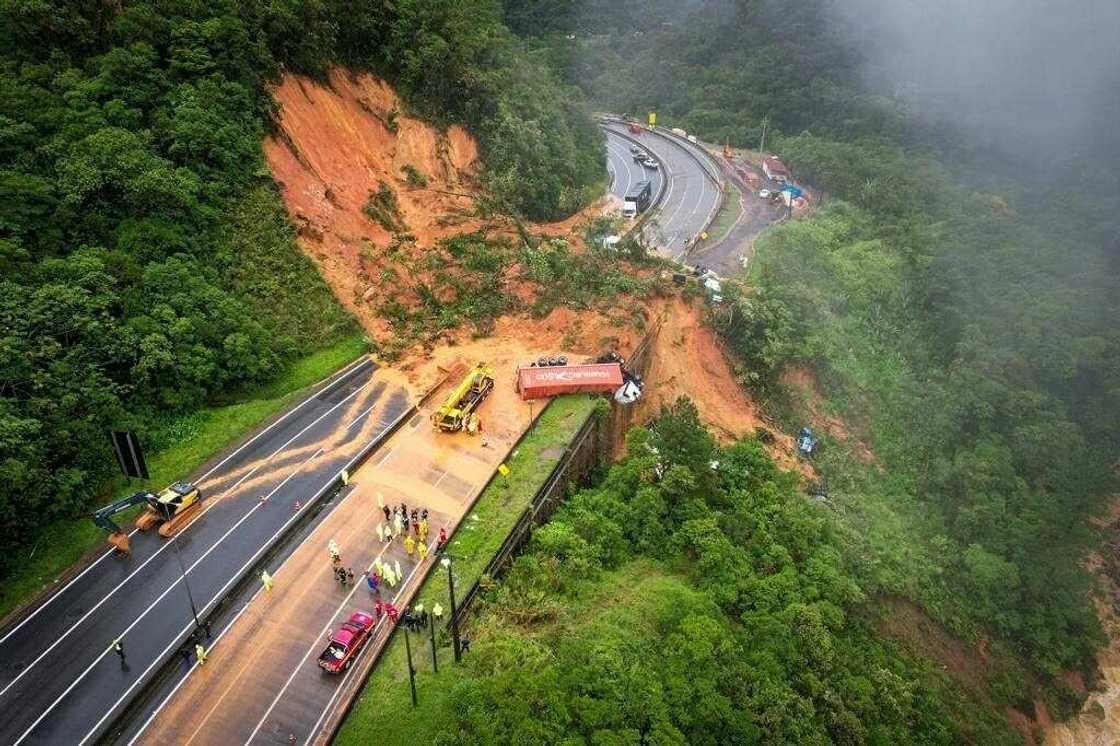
(801, 379)
(687, 360)
(909, 625)
(337, 142)
(1021, 723)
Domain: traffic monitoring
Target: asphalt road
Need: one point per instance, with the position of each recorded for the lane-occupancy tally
(691, 195)
(60, 683)
(728, 254)
(261, 683)
(624, 170)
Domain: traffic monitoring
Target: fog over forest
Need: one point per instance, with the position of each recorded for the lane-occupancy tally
(1035, 80)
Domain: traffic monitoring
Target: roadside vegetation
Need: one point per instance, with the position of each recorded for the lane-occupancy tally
(478, 538)
(728, 213)
(698, 606)
(148, 265)
(958, 311)
(478, 277)
(179, 444)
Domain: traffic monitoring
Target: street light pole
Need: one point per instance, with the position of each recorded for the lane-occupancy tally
(411, 670)
(186, 582)
(432, 628)
(446, 562)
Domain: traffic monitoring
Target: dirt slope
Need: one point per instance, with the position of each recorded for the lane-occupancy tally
(801, 380)
(688, 361)
(338, 142)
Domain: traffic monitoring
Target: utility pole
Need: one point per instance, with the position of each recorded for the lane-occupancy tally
(446, 562)
(762, 144)
(411, 670)
(432, 628)
(186, 582)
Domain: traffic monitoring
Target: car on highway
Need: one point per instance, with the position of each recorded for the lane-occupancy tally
(640, 156)
(636, 150)
(346, 643)
(650, 164)
(764, 194)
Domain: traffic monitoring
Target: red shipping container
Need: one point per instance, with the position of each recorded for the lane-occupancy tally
(538, 383)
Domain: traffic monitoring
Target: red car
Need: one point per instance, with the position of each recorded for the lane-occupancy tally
(346, 643)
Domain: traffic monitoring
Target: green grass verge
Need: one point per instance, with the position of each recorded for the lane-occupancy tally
(197, 437)
(728, 214)
(384, 713)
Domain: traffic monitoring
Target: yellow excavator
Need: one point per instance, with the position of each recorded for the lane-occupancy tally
(171, 509)
(458, 409)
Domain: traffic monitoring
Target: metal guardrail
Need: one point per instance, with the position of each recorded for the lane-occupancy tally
(700, 155)
(550, 494)
(539, 510)
(250, 570)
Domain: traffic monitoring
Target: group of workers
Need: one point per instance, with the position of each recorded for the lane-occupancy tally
(413, 525)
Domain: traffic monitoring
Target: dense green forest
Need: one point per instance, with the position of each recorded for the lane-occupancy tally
(148, 264)
(675, 603)
(956, 309)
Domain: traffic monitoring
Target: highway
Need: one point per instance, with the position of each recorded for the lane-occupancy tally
(261, 683)
(691, 194)
(625, 171)
(60, 682)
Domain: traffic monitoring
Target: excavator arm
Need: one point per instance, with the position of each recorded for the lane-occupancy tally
(104, 518)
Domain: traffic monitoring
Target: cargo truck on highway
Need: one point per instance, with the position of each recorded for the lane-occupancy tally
(637, 200)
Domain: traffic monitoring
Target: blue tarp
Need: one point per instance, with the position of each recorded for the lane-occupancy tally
(794, 192)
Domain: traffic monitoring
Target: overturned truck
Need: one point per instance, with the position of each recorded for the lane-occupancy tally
(539, 383)
(606, 375)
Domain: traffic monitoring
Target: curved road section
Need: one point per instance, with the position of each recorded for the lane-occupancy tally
(60, 683)
(692, 193)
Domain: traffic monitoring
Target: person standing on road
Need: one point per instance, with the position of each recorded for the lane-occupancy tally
(397, 525)
(378, 608)
(409, 545)
(442, 542)
(200, 654)
(422, 550)
(397, 570)
(388, 514)
(118, 648)
(424, 528)
(336, 556)
(371, 581)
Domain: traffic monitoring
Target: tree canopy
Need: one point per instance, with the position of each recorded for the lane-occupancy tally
(148, 267)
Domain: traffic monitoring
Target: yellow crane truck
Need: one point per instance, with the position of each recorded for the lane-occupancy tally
(457, 409)
(171, 509)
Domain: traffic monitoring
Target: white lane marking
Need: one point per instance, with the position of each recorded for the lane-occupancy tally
(167, 699)
(625, 166)
(342, 684)
(326, 628)
(152, 605)
(337, 376)
(164, 546)
(221, 592)
(179, 684)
